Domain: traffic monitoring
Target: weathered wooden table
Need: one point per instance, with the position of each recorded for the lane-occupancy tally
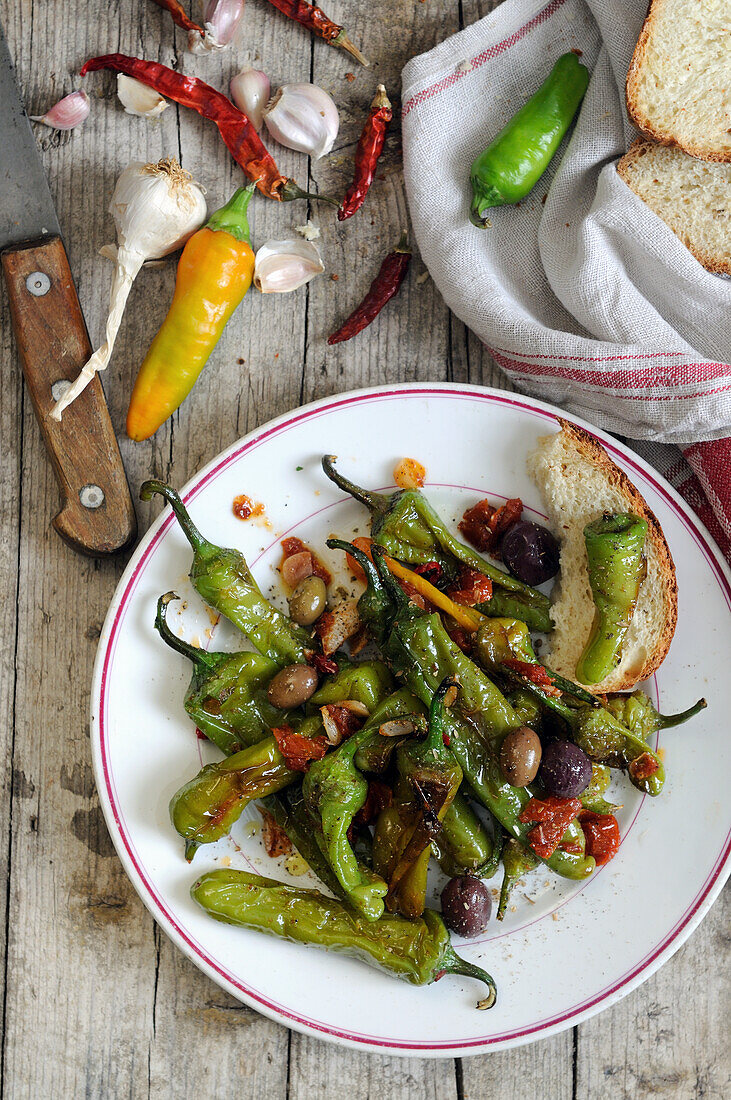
(97, 1002)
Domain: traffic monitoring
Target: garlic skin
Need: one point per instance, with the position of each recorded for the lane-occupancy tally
(282, 266)
(69, 112)
(303, 117)
(250, 91)
(138, 99)
(156, 208)
(221, 22)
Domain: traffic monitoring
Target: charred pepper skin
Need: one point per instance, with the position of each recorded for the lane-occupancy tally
(516, 159)
(409, 530)
(614, 550)
(226, 697)
(418, 951)
(223, 579)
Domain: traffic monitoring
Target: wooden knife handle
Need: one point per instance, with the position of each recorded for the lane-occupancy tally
(97, 516)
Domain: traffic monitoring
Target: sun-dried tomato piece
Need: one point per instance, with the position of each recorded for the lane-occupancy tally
(379, 797)
(602, 835)
(324, 665)
(484, 526)
(364, 544)
(536, 673)
(429, 570)
(461, 637)
(471, 588)
(299, 751)
(275, 840)
(643, 766)
(554, 815)
(339, 722)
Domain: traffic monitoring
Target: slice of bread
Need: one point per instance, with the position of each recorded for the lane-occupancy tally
(692, 196)
(678, 80)
(579, 482)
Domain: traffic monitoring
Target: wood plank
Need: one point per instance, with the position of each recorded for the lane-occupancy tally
(326, 1072)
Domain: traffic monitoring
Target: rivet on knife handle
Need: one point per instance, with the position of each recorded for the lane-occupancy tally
(97, 515)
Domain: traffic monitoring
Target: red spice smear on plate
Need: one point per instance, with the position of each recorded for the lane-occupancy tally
(244, 508)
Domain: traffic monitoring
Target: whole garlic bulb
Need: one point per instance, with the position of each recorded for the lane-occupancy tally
(303, 117)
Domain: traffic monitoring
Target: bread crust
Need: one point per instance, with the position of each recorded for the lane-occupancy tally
(594, 453)
(636, 151)
(702, 152)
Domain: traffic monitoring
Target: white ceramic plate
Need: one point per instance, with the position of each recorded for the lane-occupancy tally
(566, 951)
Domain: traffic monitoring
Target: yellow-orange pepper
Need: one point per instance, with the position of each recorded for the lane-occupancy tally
(214, 274)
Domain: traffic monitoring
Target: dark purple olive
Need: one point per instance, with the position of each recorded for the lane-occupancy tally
(530, 552)
(466, 905)
(565, 769)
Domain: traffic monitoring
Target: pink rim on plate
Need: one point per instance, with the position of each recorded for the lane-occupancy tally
(583, 1009)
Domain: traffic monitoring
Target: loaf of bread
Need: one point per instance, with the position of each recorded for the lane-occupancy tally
(678, 80)
(692, 196)
(579, 481)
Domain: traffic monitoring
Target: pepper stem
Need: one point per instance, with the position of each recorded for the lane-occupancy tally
(403, 244)
(668, 720)
(388, 580)
(231, 218)
(292, 190)
(453, 964)
(200, 658)
(343, 42)
(191, 532)
(376, 503)
(435, 735)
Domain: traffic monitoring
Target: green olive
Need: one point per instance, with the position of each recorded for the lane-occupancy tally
(520, 756)
(292, 686)
(307, 602)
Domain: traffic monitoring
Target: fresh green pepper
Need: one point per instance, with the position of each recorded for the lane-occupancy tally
(334, 790)
(419, 951)
(527, 708)
(516, 159)
(226, 697)
(617, 567)
(223, 579)
(432, 777)
(463, 844)
(408, 529)
(637, 713)
(421, 654)
(517, 861)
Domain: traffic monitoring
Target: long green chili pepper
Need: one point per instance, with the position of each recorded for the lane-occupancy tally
(223, 579)
(226, 697)
(419, 951)
(517, 861)
(614, 549)
(637, 713)
(408, 529)
(432, 777)
(512, 605)
(334, 790)
(421, 654)
(516, 159)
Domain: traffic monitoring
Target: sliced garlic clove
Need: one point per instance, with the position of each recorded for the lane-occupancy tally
(282, 266)
(138, 99)
(303, 117)
(69, 112)
(250, 91)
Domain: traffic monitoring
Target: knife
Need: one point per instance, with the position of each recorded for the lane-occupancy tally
(97, 516)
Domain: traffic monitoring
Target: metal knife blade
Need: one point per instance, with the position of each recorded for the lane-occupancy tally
(26, 206)
(97, 515)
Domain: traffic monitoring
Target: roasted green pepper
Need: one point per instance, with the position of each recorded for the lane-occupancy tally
(419, 951)
(408, 529)
(637, 713)
(516, 159)
(289, 810)
(223, 579)
(517, 861)
(226, 697)
(614, 545)
(463, 843)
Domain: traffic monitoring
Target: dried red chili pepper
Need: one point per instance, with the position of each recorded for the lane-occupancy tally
(240, 137)
(386, 283)
(370, 147)
(275, 840)
(314, 18)
(324, 665)
(180, 17)
(602, 835)
(554, 815)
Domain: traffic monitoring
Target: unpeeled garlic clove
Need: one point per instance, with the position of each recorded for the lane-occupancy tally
(281, 266)
(303, 117)
(138, 99)
(220, 21)
(250, 91)
(69, 112)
